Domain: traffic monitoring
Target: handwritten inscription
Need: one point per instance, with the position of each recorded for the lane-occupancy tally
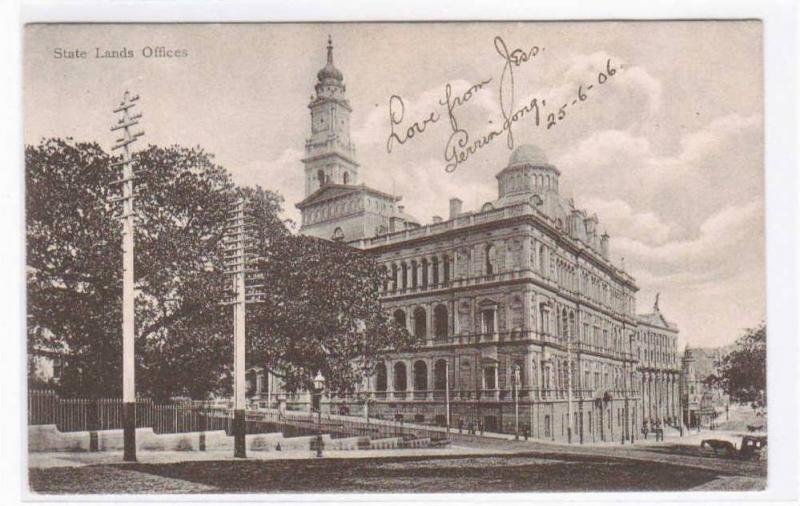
(460, 144)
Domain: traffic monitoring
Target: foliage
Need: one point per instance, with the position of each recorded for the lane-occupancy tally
(323, 309)
(742, 373)
(323, 313)
(74, 267)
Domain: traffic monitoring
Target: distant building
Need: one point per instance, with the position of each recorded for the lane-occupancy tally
(701, 402)
(658, 367)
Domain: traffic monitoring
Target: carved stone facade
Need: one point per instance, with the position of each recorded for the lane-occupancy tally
(659, 367)
(518, 307)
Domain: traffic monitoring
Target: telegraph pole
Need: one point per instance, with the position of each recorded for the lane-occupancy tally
(247, 286)
(125, 122)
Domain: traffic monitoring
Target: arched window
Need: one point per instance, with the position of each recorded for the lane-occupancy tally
(424, 273)
(395, 284)
(446, 261)
(404, 272)
(400, 380)
(420, 376)
(345, 177)
(380, 377)
(420, 325)
(440, 375)
(400, 318)
(338, 234)
(491, 261)
(440, 321)
(435, 263)
(413, 274)
(564, 324)
(321, 177)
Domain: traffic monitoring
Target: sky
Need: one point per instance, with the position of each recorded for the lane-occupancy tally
(667, 151)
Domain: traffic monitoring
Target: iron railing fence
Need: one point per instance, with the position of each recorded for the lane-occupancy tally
(72, 415)
(45, 407)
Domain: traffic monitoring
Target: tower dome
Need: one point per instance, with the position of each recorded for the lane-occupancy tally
(528, 154)
(329, 71)
(528, 173)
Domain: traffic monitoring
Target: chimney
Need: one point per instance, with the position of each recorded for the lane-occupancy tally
(455, 207)
(437, 219)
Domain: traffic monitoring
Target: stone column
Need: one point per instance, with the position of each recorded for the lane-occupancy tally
(431, 384)
(526, 254)
(389, 380)
(527, 324)
(429, 323)
(409, 379)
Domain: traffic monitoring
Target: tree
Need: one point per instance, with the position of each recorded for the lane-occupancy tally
(323, 309)
(742, 373)
(323, 313)
(74, 267)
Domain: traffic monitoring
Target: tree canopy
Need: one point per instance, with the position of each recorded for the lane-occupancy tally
(322, 310)
(323, 313)
(74, 267)
(742, 373)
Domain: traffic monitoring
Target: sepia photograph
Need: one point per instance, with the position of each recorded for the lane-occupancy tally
(395, 257)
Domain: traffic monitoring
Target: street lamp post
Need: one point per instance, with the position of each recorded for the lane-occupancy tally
(319, 386)
(515, 385)
(569, 388)
(447, 393)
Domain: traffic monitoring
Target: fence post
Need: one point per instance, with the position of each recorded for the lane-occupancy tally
(92, 423)
(202, 426)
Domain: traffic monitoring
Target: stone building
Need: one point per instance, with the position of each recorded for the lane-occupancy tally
(525, 320)
(700, 403)
(658, 369)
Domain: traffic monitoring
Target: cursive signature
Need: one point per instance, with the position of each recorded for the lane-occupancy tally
(461, 145)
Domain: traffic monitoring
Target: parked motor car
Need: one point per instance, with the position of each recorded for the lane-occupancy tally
(750, 446)
(753, 447)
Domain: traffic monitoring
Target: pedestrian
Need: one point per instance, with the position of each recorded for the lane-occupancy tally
(525, 431)
(480, 427)
(460, 425)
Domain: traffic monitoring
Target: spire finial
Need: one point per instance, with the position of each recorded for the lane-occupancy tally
(655, 305)
(330, 50)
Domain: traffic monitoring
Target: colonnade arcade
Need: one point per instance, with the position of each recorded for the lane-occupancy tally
(660, 395)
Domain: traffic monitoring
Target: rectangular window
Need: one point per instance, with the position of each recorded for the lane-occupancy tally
(487, 319)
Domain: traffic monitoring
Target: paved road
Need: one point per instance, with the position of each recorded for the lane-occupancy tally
(679, 453)
(484, 466)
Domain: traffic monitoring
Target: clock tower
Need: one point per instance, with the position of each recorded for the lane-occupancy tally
(329, 156)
